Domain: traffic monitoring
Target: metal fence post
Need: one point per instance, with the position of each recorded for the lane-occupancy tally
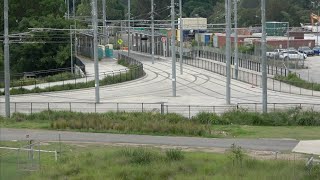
(31, 107)
(70, 106)
(189, 111)
(255, 107)
(95, 107)
(142, 107)
(162, 108)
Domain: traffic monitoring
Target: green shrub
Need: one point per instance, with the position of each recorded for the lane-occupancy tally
(207, 118)
(174, 154)
(140, 156)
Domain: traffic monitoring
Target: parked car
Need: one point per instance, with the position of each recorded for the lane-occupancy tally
(316, 50)
(292, 55)
(292, 49)
(275, 53)
(306, 50)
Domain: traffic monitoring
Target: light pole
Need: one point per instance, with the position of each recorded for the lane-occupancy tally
(104, 17)
(68, 13)
(236, 59)
(264, 58)
(173, 41)
(6, 58)
(95, 49)
(228, 50)
(71, 50)
(152, 30)
(181, 37)
(129, 16)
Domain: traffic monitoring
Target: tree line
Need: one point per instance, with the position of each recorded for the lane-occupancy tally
(54, 51)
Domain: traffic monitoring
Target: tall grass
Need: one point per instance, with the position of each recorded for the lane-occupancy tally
(292, 117)
(202, 125)
(147, 163)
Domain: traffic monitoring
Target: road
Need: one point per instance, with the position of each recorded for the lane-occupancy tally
(249, 144)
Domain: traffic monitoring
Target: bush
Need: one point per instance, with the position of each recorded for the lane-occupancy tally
(140, 156)
(174, 154)
(207, 118)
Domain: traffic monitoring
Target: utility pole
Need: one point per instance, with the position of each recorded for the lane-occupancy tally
(181, 37)
(75, 27)
(228, 49)
(264, 58)
(95, 48)
(6, 58)
(68, 13)
(152, 30)
(173, 42)
(236, 55)
(74, 9)
(104, 18)
(129, 16)
(71, 50)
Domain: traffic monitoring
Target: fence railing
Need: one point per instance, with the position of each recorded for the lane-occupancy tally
(134, 72)
(251, 77)
(246, 61)
(185, 110)
(273, 107)
(88, 107)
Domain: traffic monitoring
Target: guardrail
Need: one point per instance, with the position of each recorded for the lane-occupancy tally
(162, 108)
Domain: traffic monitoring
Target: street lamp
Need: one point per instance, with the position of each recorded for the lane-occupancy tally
(6, 58)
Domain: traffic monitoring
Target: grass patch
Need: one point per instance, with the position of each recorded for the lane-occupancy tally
(294, 80)
(34, 81)
(103, 162)
(296, 124)
(134, 72)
